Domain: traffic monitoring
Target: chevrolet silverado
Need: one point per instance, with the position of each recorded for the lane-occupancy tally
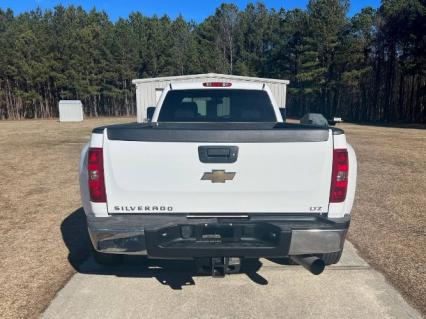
(217, 176)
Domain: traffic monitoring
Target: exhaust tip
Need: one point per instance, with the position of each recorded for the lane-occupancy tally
(315, 265)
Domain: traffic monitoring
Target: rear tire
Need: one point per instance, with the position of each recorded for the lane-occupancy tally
(331, 258)
(107, 259)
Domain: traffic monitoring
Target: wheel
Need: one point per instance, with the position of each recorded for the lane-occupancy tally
(331, 258)
(107, 259)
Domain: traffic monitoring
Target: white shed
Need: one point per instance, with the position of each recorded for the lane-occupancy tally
(148, 91)
(70, 111)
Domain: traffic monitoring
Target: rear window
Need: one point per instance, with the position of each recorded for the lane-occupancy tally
(217, 105)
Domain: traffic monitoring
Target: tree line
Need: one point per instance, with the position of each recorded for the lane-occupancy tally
(370, 67)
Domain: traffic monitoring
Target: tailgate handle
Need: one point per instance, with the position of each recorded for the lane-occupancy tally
(218, 154)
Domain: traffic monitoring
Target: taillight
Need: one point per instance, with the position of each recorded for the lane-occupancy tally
(95, 167)
(217, 84)
(339, 176)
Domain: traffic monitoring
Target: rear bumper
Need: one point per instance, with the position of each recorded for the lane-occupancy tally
(183, 236)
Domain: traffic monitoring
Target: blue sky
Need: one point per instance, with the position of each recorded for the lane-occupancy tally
(192, 10)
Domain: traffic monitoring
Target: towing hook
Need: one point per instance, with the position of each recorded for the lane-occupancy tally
(315, 265)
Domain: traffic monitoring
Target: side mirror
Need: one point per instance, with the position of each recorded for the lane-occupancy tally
(283, 113)
(150, 113)
(314, 119)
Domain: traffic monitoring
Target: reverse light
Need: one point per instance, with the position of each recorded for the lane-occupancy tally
(339, 176)
(217, 84)
(95, 167)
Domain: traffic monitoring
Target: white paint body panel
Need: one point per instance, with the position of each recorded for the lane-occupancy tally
(237, 200)
(270, 177)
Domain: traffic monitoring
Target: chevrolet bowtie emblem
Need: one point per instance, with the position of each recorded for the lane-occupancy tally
(218, 176)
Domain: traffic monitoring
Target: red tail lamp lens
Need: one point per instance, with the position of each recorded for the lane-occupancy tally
(95, 167)
(339, 176)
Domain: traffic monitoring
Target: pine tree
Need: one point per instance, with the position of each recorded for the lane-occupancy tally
(371, 67)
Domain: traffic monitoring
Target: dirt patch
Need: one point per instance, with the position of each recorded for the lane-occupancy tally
(388, 220)
(43, 235)
(40, 211)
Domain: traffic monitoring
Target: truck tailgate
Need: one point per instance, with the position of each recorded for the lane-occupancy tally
(285, 174)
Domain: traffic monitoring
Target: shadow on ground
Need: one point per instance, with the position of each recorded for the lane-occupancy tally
(76, 238)
(174, 273)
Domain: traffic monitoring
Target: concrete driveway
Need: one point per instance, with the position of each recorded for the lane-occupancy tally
(266, 289)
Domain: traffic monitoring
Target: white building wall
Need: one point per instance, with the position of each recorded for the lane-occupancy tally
(147, 90)
(70, 111)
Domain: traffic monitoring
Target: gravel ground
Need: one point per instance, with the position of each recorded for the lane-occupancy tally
(42, 230)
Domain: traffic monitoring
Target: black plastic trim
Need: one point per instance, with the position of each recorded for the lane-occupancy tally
(218, 239)
(218, 154)
(216, 132)
(216, 136)
(337, 131)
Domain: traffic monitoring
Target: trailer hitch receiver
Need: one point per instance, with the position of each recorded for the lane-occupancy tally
(218, 266)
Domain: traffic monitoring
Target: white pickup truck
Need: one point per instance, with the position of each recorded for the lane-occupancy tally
(217, 176)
